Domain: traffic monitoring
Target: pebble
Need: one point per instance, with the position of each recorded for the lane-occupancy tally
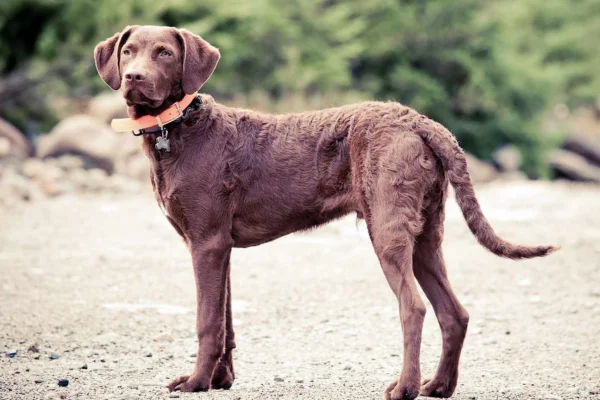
(149, 355)
(63, 382)
(164, 338)
(38, 381)
(33, 349)
(279, 379)
(347, 368)
(11, 353)
(84, 366)
(54, 356)
(173, 396)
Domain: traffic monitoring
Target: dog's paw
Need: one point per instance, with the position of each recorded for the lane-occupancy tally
(397, 391)
(436, 388)
(223, 377)
(187, 383)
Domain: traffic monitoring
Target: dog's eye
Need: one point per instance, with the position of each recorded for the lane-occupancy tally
(126, 52)
(165, 53)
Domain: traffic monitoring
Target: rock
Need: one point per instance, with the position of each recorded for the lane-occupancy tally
(33, 168)
(51, 188)
(18, 145)
(78, 178)
(4, 147)
(587, 147)
(84, 136)
(279, 379)
(67, 162)
(84, 366)
(569, 165)
(508, 158)
(37, 169)
(38, 381)
(105, 339)
(480, 171)
(164, 338)
(552, 397)
(15, 188)
(108, 106)
(53, 356)
(512, 176)
(173, 395)
(11, 353)
(33, 349)
(97, 179)
(63, 382)
(46, 175)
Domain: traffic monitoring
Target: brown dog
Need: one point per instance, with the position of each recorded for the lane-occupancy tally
(238, 178)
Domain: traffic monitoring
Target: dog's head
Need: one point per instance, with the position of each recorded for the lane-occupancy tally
(153, 64)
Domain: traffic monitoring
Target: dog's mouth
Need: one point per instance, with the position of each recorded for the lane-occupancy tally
(137, 97)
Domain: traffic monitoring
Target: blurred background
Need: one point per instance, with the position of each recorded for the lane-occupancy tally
(516, 81)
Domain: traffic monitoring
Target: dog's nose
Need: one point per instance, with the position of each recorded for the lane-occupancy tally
(135, 76)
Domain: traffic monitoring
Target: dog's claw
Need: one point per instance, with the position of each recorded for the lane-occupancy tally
(187, 383)
(175, 384)
(403, 393)
(433, 388)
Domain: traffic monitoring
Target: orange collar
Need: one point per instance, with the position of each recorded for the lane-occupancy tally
(147, 121)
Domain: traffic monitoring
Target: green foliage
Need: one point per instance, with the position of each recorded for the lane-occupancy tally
(487, 70)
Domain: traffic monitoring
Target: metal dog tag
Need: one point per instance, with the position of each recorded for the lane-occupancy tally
(163, 144)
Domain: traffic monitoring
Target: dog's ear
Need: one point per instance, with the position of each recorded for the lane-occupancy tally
(107, 56)
(199, 61)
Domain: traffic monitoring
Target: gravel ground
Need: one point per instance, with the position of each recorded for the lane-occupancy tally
(104, 284)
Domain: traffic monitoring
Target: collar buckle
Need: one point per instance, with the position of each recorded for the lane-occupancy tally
(178, 106)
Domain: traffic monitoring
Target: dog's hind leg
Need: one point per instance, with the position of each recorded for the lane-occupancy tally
(453, 319)
(394, 220)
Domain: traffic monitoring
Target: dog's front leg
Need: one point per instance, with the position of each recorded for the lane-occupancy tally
(211, 269)
(224, 374)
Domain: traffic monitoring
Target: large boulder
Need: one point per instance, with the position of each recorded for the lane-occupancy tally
(585, 146)
(480, 171)
(572, 166)
(13, 143)
(107, 106)
(508, 158)
(84, 136)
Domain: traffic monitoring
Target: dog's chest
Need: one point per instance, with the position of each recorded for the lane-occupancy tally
(161, 174)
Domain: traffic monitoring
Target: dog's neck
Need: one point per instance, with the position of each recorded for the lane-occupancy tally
(139, 110)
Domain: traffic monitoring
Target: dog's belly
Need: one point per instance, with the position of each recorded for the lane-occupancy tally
(267, 221)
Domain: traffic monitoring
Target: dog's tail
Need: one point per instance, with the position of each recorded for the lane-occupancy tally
(447, 150)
